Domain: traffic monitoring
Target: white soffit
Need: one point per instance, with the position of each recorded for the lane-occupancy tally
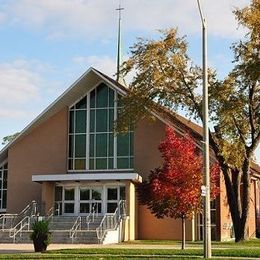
(87, 177)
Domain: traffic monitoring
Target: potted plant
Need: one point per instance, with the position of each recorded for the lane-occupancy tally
(41, 235)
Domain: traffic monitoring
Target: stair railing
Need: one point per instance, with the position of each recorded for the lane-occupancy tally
(7, 221)
(30, 210)
(25, 222)
(50, 213)
(90, 218)
(76, 226)
(110, 221)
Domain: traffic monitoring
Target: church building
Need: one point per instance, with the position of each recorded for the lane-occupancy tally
(70, 160)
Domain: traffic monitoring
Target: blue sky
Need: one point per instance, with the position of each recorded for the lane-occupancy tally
(47, 44)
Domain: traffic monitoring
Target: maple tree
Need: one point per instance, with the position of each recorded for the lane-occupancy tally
(174, 189)
(165, 76)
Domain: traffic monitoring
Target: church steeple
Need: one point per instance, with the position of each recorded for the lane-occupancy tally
(119, 76)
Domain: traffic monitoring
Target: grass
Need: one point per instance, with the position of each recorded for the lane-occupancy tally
(248, 243)
(240, 250)
(112, 253)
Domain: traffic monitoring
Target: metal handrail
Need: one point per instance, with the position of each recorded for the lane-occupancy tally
(110, 221)
(90, 218)
(58, 210)
(4, 221)
(76, 226)
(50, 214)
(19, 227)
(29, 210)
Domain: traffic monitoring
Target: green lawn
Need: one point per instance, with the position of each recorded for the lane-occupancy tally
(248, 243)
(112, 253)
(220, 249)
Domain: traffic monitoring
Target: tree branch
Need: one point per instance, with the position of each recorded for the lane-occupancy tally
(239, 131)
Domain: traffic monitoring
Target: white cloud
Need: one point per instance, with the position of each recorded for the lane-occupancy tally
(22, 87)
(105, 64)
(18, 84)
(98, 18)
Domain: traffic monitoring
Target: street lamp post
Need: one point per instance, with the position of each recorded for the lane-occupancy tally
(207, 224)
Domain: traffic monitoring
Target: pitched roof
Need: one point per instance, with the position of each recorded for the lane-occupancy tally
(78, 88)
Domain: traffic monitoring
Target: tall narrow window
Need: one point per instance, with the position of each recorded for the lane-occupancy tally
(101, 128)
(3, 186)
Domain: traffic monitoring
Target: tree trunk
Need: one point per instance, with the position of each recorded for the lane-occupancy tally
(183, 244)
(239, 206)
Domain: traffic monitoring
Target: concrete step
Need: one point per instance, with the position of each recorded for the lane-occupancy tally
(58, 236)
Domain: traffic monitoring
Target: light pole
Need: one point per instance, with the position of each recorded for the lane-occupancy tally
(207, 224)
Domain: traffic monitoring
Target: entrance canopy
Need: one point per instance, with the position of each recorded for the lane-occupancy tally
(134, 177)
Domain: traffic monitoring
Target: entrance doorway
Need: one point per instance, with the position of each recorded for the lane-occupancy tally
(83, 199)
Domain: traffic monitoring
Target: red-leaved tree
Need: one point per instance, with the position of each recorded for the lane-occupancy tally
(174, 189)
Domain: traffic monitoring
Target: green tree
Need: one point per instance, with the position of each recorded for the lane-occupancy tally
(9, 138)
(165, 76)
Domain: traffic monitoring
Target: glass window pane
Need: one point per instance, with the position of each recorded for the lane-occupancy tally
(122, 193)
(111, 145)
(84, 207)
(101, 125)
(101, 164)
(213, 216)
(111, 97)
(5, 179)
(58, 193)
(123, 144)
(69, 194)
(97, 207)
(80, 164)
(111, 120)
(91, 164)
(131, 166)
(6, 166)
(110, 163)
(80, 145)
(102, 96)
(84, 194)
(71, 122)
(111, 207)
(91, 145)
(122, 163)
(92, 98)
(96, 194)
(112, 193)
(92, 120)
(69, 207)
(4, 199)
(101, 145)
(82, 103)
(81, 121)
(71, 145)
(131, 143)
(70, 166)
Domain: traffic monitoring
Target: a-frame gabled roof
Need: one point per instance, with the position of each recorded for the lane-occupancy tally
(79, 88)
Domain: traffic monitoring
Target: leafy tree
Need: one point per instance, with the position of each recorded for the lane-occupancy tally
(9, 138)
(174, 189)
(165, 76)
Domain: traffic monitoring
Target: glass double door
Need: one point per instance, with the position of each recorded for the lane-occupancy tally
(81, 200)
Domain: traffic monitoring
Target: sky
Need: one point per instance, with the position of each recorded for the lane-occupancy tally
(47, 44)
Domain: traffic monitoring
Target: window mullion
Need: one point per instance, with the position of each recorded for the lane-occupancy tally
(87, 131)
(115, 135)
(74, 139)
